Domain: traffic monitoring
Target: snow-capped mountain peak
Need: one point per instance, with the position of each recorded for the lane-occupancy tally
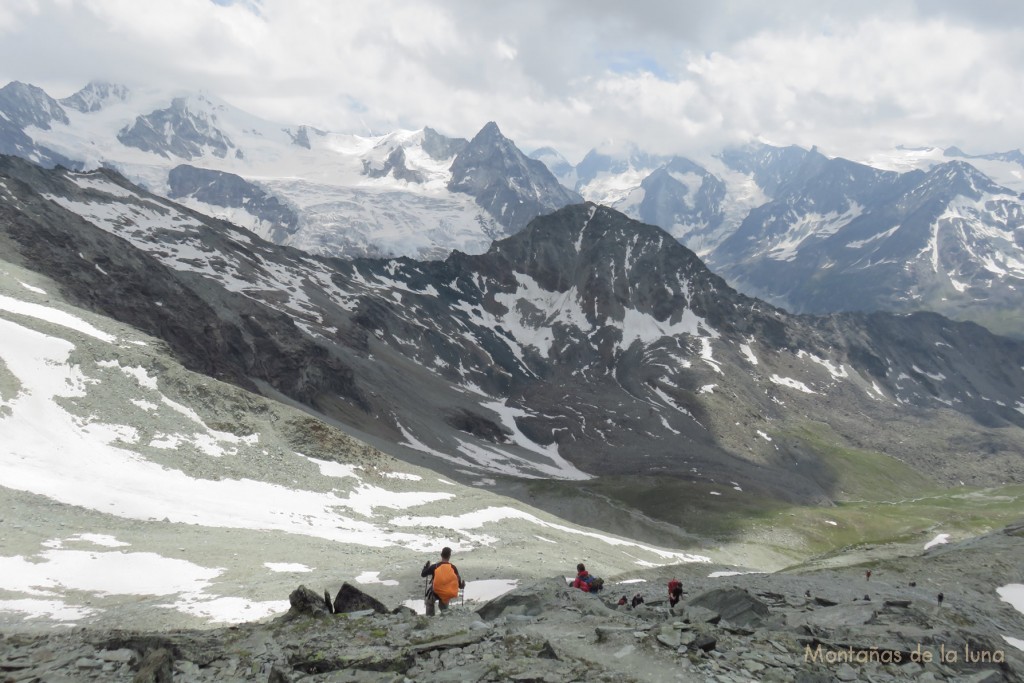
(95, 96)
(26, 105)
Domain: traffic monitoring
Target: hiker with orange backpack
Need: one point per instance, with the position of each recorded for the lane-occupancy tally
(445, 582)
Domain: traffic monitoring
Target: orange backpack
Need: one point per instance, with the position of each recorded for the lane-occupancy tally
(446, 582)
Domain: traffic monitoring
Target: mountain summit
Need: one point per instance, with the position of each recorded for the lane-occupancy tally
(511, 186)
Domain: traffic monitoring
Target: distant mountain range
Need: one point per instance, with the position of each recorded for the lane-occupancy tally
(917, 229)
(585, 344)
(814, 234)
(412, 193)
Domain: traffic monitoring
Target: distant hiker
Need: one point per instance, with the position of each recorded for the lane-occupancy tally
(637, 600)
(585, 582)
(941, 598)
(867, 575)
(807, 593)
(675, 592)
(622, 601)
(444, 584)
(867, 597)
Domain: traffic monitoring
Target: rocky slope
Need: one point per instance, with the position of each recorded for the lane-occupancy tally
(137, 494)
(808, 625)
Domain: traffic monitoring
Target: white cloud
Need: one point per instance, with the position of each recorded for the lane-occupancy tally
(674, 76)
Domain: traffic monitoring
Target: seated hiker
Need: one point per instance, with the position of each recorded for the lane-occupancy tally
(444, 584)
(585, 582)
(675, 592)
(637, 600)
(622, 600)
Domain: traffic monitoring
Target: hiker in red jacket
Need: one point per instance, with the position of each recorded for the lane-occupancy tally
(675, 592)
(582, 578)
(445, 582)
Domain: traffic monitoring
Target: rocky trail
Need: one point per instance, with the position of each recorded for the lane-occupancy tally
(805, 625)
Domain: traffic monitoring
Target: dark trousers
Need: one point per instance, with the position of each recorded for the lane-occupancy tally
(429, 599)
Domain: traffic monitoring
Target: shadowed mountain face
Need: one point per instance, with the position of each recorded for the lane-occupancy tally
(816, 234)
(587, 344)
(509, 185)
(840, 236)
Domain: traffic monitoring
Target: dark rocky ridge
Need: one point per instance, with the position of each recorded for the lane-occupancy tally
(100, 272)
(227, 189)
(557, 327)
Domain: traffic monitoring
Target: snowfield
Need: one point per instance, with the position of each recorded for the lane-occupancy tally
(124, 503)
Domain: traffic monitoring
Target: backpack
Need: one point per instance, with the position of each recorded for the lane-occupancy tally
(446, 582)
(595, 583)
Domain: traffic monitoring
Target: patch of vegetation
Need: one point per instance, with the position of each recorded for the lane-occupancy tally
(857, 473)
(959, 511)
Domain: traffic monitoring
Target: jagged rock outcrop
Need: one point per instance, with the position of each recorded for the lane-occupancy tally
(306, 602)
(351, 599)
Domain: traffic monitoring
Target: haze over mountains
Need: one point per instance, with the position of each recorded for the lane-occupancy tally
(296, 352)
(917, 229)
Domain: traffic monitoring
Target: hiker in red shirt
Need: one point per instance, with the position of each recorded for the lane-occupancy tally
(675, 592)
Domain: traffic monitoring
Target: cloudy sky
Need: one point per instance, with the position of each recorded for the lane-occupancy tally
(671, 75)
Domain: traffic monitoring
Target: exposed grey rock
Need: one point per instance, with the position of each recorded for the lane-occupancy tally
(219, 188)
(321, 357)
(875, 255)
(305, 602)
(95, 96)
(705, 642)
(178, 130)
(27, 105)
(896, 603)
(156, 667)
(509, 185)
(394, 166)
(438, 147)
(351, 599)
(737, 606)
(699, 614)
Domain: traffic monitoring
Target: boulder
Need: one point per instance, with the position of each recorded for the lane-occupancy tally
(156, 667)
(351, 599)
(735, 605)
(305, 601)
(533, 600)
(695, 614)
(704, 642)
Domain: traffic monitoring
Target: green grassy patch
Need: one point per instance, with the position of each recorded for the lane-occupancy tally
(960, 511)
(856, 473)
(876, 499)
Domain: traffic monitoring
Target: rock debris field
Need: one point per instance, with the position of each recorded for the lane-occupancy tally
(804, 625)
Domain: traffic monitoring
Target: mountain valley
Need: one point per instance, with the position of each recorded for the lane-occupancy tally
(238, 356)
